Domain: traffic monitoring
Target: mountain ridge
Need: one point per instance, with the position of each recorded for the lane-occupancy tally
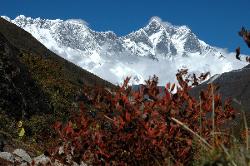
(152, 49)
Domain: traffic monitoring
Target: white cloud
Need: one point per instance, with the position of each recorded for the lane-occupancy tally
(78, 21)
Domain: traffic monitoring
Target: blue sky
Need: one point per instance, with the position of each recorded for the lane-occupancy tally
(214, 21)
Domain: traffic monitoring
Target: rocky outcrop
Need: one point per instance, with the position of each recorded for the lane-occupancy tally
(21, 158)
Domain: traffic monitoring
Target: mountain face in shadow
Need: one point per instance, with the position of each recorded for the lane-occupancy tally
(35, 80)
(20, 94)
(234, 84)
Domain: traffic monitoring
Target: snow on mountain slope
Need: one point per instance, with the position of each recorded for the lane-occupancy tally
(158, 48)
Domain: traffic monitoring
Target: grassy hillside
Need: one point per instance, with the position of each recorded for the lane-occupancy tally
(36, 86)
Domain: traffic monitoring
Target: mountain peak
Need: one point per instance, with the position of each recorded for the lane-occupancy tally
(157, 22)
(21, 17)
(142, 53)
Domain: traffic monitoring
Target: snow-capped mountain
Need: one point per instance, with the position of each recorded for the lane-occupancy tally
(158, 48)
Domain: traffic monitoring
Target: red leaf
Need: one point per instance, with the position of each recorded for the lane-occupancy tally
(69, 128)
(57, 125)
(128, 116)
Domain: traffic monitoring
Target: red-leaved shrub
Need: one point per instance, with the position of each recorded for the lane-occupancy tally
(127, 127)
